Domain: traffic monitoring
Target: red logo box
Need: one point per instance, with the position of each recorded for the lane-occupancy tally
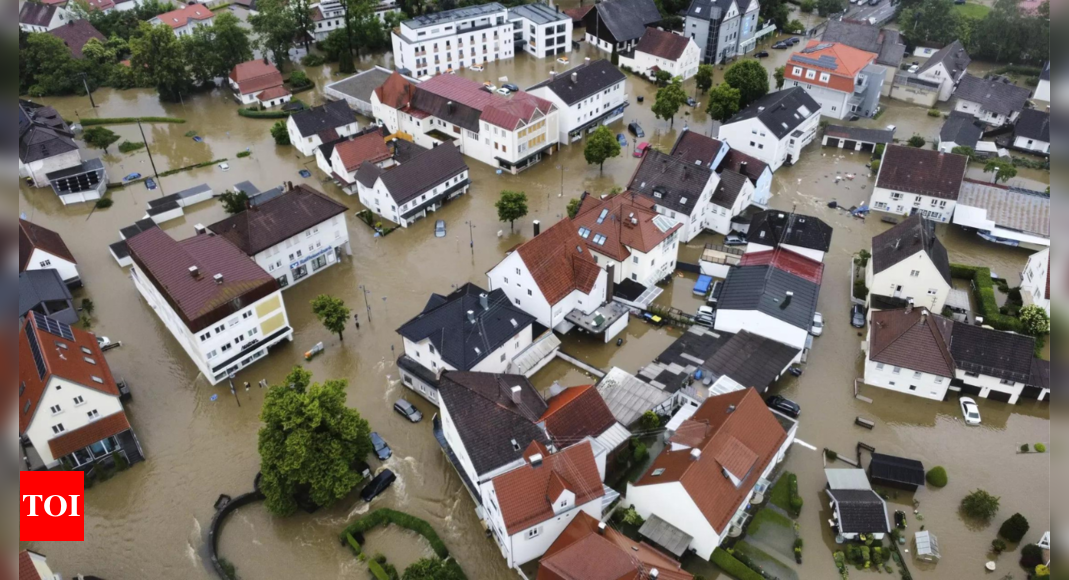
(51, 506)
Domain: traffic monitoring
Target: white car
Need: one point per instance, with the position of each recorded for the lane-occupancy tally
(476, 68)
(818, 325)
(103, 342)
(224, 166)
(913, 69)
(490, 86)
(563, 60)
(970, 411)
(706, 316)
(504, 91)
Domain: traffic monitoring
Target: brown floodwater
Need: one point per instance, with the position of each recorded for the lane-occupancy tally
(152, 520)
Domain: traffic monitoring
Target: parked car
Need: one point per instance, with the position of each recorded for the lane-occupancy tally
(490, 86)
(734, 240)
(408, 411)
(382, 450)
(781, 45)
(511, 87)
(794, 40)
(150, 183)
(914, 68)
(857, 316)
(563, 60)
(224, 166)
(761, 54)
(706, 316)
(103, 342)
(784, 405)
(818, 325)
(439, 229)
(641, 149)
(970, 411)
(621, 139)
(636, 129)
(476, 68)
(381, 483)
(691, 102)
(503, 91)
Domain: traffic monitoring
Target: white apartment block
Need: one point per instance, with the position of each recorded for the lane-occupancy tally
(1035, 280)
(775, 128)
(540, 30)
(328, 16)
(586, 97)
(448, 41)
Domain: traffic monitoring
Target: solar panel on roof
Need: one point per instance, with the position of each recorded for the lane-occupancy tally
(825, 61)
(35, 349)
(818, 47)
(53, 326)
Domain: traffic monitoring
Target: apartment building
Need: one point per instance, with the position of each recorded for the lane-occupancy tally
(444, 42)
(540, 30)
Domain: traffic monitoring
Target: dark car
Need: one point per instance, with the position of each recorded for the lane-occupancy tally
(511, 87)
(408, 411)
(857, 316)
(621, 139)
(762, 54)
(691, 102)
(378, 485)
(636, 129)
(784, 405)
(382, 450)
(781, 45)
(794, 40)
(150, 183)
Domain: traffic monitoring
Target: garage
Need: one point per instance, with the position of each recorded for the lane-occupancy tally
(850, 145)
(970, 390)
(999, 396)
(831, 141)
(867, 147)
(1031, 393)
(856, 138)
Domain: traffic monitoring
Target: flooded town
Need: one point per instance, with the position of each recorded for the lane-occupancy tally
(841, 338)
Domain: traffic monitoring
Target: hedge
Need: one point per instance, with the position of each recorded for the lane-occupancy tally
(984, 290)
(128, 120)
(387, 516)
(377, 571)
(937, 476)
(194, 166)
(353, 544)
(254, 114)
(732, 566)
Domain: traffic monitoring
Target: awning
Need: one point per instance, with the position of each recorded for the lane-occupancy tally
(665, 535)
(535, 354)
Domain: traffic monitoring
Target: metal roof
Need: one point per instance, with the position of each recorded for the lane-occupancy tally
(847, 479)
(665, 535)
(628, 397)
(453, 15)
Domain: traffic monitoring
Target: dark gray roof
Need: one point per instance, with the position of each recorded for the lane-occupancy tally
(460, 342)
(138, 227)
(42, 132)
(421, 173)
(861, 511)
(1033, 124)
(538, 13)
(764, 289)
(706, 9)
(953, 57)
(901, 470)
(914, 234)
(37, 286)
(590, 78)
(1040, 373)
(495, 430)
(277, 219)
(860, 133)
(781, 112)
(772, 228)
(961, 128)
(995, 95)
(751, 360)
(669, 181)
(729, 188)
(863, 36)
(36, 14)
(362, 84)
(921, 171)
(436, 18)
(323, 118)
(1045, 75)
(627, 19)
(1000, 354)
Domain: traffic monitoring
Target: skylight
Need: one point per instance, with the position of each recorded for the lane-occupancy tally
(683, 201)
(604, 213)
(658, 472)
(599, 239)
(584, 233)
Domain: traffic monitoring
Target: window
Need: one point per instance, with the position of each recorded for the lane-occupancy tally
(810, 74)
(938, 380)
(914, 273)
(58, 428)
(879, 366)
(1007, 383)
(239, 339)
(225, 347)
(205, 336)
(55, 409)
(246, 314)
(824, 77)
(971, 374)
(46, 263)
(78, 400)
(916, 375)
(896, 196)
(96, 379)
(502, 357)
(897, 370)
(94, 414)
(584, 233)
(220, 328)
(932, 291)
(797, 71)
(212, 354)
(529, 293)
(599, 239)
(533, 533)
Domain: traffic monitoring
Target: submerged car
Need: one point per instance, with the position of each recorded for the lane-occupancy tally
(761, 54)
(511, 87)
(621, 139)
(857, 316)
(784, 405)
(734, 240)
(970, 411)
(439, 229)
(382, 450)
(381, 483)
(641, 149)
(818, 325)
(408, 411)
(636, 129)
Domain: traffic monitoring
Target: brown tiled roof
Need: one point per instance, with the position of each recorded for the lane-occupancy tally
(75, 33)
(558, 262)
(368, 147)
(691, 433)
(662, 44)
(182, 16)
(583, 552)
(747, 165)
(787, 261)
(255, 75)
(576, 413)
(915, 340)
(396, 92)
(33, 236)
(506, 112)
(921, 171)
(102, 428)
(62, 358)
(693, 146)
(621, 233)
(36, 14)
(273, 93)
(27, 571)
(524, 494)
(200, 301)
(277, 220)
(736, 420)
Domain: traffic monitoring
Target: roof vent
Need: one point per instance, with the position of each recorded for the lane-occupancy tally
(536, 460)
(484, 301)
(601, 528)
(218, 278)
(787, 299)
(575, 78)
(471, 316)
(200, 229)
(516, 393)
(654, 574)
(695, 454)
(731, 409)
(759, 109)
(194, 272)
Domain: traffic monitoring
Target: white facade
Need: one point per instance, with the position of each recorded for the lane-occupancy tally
(456, 444)
(571, 119)
(896, 202)
(1035, 281)
(452, 40)
(989, 385)
(335, 165)
(38, 170)
(186, 29)
(915, 277)
(379, 200)
(329, 17)
(253, 98)
(513, 277)
(542, 40)
(307, 144)
(685, 67)
(946, 81)
(211, 347)
(499, 361)
(59, 18)
(306, 253)
(719, 217)
(646, 268)
(904, 380)
(42, 260)
(1032, 145)
(761, 324)
(75, 407)
(990, 117)
(751, 137)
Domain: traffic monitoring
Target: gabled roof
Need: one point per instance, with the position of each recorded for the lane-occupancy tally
(750, 359)
(773, 227)
(1033, 124)
(34, 237)
(418, 175)
(583, 551)
(182, 16)
(1013, 208)
(996, 95)
(711, 10)
(326, 117)
(921, 171)
(914, 234)
(87, 435)
(728, 190)
(627, 222)
(493, 428)
(670, 181)
(780, 112)
(255, 75)
(953, 57)
(277, 220)
(860, 511)
(576, 413)
(742, 434)
(48, 348)
(693, 147)
(38, 286)
(396, 92)
(369, 147)
(842, 61)
(662, 44)
(884, 136)
(590, 78)
(461, 342)
(75, 33)
(527, 495)
(787, 261)
(42, 132)
(763, 288)
(274, 92)
(627, 19)
(916, 340)
(740, 162)
(962, 129)
(864, 36)
(1004, 355)
(558, 263)
(35, 14)
(441, 95)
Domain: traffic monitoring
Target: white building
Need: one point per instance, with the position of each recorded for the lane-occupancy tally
(46, 143)
(508, 132)
(1012, 216)
(681, 190)
(41, 17)
(994, 101)
(659, 50)
(1035, 280)
(223, 309)
(184, 20)
(693, 147)
(1043, 88)
(701, 484)
(586, 96)
(540, 30)
(946, 68)
(908, 263)
(318, 125)
(1031, 132)
(447, 41)
(342, 159)
(258, 82)
(328, 16)
(407, 192)
(774, 128)
(42, 249)
(802, 234)
(912, 180)
(292, 236)
(844, 80)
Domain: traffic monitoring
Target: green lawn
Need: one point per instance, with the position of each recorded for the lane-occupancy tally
(971, 10)
(771, 518)
(780, 494)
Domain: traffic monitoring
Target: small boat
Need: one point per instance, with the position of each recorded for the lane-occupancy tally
(132, 177)
(150, 183)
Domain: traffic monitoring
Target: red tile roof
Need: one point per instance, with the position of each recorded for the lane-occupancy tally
(526, 495)
(255, 75)
(558, 262)
(739, 425)
(33, 236)
(396, 92)
(182, 16)
(370, 147)
(621, 233)
(506, 112)
(912, 340)
(662, 44)
(583, 552)
(27, 571)
(102, 428)
(62, 358)
(576, 413)
(848, 63)
(273, 93)
(786, 261)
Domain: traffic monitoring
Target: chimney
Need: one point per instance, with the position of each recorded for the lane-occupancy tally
(471, 316)
(654, 574)
(537, 228)
(731, 409)
(289, 186)
(218, 279)
(484, 301)
(743, 164)
(194, 272)
(787, 299)
(695, 454)
(924, 315)
(516, 392)
(536, 460)
(451, 107)
(909, 306)
(601, 528)
(266, 61)
(200, 229)
(575, 78)
(979, 320)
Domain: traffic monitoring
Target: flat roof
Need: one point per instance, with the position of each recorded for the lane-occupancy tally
(538, 13)
(453, 15)
(1009, 207)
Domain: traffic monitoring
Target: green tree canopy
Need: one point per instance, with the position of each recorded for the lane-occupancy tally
(750, 78)
(276, 26)
(826, 7)
(332, 312)
(1034, 320)
(669, 99)
(778, 74)
(600, 147)
(156, 57)
(234, 202)
(309, 443)
(723, 102)
(432, 569)
(573, 207)
(980, 505)
(1003, 170)
(704, 78)
(511, 206)
(662, 78)
(776, 12)
(99, 137)
(280, 133)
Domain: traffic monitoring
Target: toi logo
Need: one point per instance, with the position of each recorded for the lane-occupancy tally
(51, 506)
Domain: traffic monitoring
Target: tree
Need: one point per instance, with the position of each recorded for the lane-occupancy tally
(511, 206)
(669, 100)
(779, 76)
(1034, 320)
(234, 202)
(232, 42)
(937, 476)
(309, 443)
(704, 78)
(662, 78)
(281, 133)
(964, 150)
(1014, 528)
(808, 6)
(1004, 170)
(87, 306)
(276, 26)
(432, 569)
(99, 137)
(601, 146)
(776, 12)
(998, 545)
(826, 7)
(751, 78)
(332, 312)
(723, 102)
(1031, 556)
(573, 207)
(980, 505)
(649, 421)
(916, 141)
(156, 58)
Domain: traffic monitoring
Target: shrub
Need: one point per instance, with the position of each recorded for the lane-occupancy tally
(130, 146)
(877, 152)
(228, 569)
(377, 570)
(998, 546)
(934, 113)
(937, 476)
(1014, 528)
(104, 203)
(243, 154)
(916, 141)
(255, 114)
(640, 452)
(796, 504)
(984, 291)
(875, 166)
(313, 59)
(732, 566)
(280, 133)
(1040, 448)
(831, 455)
(387, 516)
(299, 80)
(353, 543)
(1031, 556)
(1024, 448)
(980, 505)
(808, 6)
(650, 421)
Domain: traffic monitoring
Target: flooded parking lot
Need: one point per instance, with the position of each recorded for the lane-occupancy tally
(151, 520)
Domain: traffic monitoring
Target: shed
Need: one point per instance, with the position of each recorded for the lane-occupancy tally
(665, 535)
(896, 472)
(856, 138)
(927, 546)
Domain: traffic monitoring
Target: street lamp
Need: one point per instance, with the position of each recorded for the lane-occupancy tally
(367, 305)
(471, 237)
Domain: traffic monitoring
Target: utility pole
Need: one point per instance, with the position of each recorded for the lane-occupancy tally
(233, 391)
(471, 238)
(88, 94)
(367, 305)
(156, 174)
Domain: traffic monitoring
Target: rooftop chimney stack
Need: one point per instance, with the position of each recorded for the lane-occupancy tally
(537, 228)
(218, 279)
(536, 460)
(654, 574)
(575, 78)
(516, 391)
(601, 528)
(471, 316)
(200, 229)
(787, 298)
(695, 454)
(194, 272)
(909, 306)
(484, 301)
(731, 409)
